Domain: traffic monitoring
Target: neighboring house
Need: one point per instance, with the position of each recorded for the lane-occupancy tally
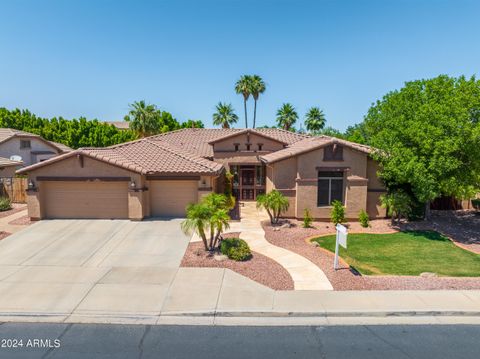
(121, 125)
(160, 175)
(27, 147)
(8, 167)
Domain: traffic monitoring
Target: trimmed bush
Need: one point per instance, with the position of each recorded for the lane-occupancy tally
(5, 204)
(363, 219)
(476, 203)
(307, 218)
(338, 213)
(236, 249)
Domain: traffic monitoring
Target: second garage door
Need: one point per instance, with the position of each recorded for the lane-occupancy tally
(75, 199)
(169, 198)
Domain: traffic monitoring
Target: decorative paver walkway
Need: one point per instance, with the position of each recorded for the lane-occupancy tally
(305, 274)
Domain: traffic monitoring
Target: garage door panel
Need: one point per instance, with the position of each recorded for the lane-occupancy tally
(169, 198)
(76, 199)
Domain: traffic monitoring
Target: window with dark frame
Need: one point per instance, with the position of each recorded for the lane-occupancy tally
(25, 144)
(260, 145)
(329, 187)
(333, 153)
(248, 146)
(236, 146)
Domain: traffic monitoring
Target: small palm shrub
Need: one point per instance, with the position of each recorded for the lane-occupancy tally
(398, 204)
(236, 249)
(274, 203)
(228, 191)
(363, 219)
(5, 204)
(338, 213)
(307, 218)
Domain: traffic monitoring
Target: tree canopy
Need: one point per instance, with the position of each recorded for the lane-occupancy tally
(314, 120)
(428, 134)
(225, 115)
(286, 117)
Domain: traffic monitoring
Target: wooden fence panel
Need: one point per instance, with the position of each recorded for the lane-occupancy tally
(14, 188)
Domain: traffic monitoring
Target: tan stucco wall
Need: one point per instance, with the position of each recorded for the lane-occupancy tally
(375, 190)
(12, 147)
(300, 173)
(8, 171)
(228, 144)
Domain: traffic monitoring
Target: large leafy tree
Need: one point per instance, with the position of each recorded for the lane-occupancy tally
(314, 120)
(286, 116)
(243, 87)
(144, 119)
(428, 133)
(257, 87)
(225, 115)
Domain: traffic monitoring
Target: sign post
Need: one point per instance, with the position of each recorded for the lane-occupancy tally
(341, 240)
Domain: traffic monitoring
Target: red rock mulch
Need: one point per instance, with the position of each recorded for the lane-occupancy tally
(4, 235)
(22, 221)
(294, 239)
(16, 207)
(259, 268)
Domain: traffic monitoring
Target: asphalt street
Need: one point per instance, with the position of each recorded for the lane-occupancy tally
(202, 342)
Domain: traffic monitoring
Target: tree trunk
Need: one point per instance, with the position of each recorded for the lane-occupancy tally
(245, 108)
(254, 113)
(428, 213)
(204, 240)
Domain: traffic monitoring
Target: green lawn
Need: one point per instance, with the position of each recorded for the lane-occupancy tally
(405, 253)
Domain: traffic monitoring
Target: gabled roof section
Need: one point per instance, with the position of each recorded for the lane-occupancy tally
(247, 131)
(8, 133)
(197, 140)
(310, 144)
(143, 156)
(5, 162)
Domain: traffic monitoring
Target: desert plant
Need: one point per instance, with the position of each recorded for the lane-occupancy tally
(236, 249)
(5, 204)
(211, 215)
(363, 219)
(338, 213)
(274, 203)
(398, 204)
(228, 190)
(307, 218)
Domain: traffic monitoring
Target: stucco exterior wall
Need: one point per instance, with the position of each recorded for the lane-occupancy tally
(242, 139)
(12, 147)
(375, 190)
(8, 171)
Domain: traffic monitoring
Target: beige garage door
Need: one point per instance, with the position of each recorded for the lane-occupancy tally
(169, 198)
(85, 199)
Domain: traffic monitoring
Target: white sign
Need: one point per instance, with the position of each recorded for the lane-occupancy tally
(341, 240)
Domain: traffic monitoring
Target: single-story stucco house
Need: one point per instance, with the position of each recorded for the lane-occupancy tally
(160, 175)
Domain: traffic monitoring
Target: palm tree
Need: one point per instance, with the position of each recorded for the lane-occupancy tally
(197, 221)
(274, 203)
(315, 120)
(225, 115)
(143, 119)
(257, 87)
(286, 116)
(243, 87)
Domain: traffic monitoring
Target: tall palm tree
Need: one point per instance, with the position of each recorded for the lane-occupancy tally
(225, 115)
(315, 120)
(243, 87)
(257, 87)
(286, 116)
(143, 119)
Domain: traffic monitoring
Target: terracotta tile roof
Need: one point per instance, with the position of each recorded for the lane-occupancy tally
(197, 140)
(310, 144)
(8, 133)
(234, 160)
(5, 162)
(146, 157)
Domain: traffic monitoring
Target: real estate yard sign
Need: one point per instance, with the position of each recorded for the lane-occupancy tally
(341, 241)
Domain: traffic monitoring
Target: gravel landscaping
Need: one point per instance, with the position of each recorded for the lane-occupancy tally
(296, 238)
(16, 207)
(259, 268)
(22, 221)
(4, 235)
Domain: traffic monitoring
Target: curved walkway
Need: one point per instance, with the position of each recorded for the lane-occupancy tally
(305, 274)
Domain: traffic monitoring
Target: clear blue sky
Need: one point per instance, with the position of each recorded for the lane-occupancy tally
(93, 58)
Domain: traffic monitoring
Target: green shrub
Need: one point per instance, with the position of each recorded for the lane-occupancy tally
(363, 219)
(275, 203)
(228, 190)
(307, 218)
(5, 204)
(338, 213)
(399, 204)
(476, 203)
(236, 249)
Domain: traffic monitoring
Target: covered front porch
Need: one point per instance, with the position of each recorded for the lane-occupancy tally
(248, 181)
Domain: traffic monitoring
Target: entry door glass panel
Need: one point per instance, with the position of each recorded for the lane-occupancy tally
(248, 177)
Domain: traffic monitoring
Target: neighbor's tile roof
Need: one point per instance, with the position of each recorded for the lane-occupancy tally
(196, 140)
(121, 125)
(144, 156)
(5, 162)
(310, 144)
(8, 133)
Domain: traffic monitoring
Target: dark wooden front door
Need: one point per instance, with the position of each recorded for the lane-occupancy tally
(247, 179)
(248, 182)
